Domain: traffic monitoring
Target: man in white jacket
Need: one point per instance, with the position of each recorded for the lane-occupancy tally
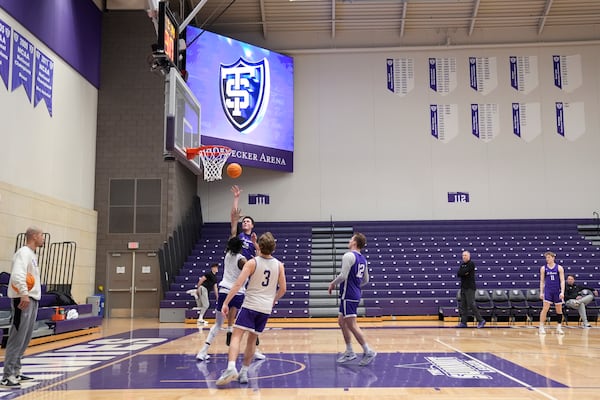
(25, 291)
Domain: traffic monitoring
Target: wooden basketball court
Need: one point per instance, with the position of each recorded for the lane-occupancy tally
(143, 359)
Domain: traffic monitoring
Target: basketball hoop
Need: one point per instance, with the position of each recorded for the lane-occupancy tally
(213, 159)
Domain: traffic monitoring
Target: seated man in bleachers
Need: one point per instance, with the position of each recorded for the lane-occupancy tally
(576, 300)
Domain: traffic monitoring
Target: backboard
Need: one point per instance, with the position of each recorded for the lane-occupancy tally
(182, 121)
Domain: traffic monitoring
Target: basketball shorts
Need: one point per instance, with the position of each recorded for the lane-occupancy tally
(552, 296)
(348, 308)
(236, 301)
(251, 320)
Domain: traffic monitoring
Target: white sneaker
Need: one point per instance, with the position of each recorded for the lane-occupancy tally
(542, 330)
(227, 376)
(367, 358)
(559, 330)
(243, 378)
(202, 356)
(346, 356)
(259, 356)
(201, 322)
(587, 325)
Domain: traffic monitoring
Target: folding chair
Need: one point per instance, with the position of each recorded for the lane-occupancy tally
(518, 305)
(484, 303)
(501, 304)
(534, 302)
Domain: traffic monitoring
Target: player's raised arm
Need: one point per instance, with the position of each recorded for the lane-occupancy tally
(236, 213)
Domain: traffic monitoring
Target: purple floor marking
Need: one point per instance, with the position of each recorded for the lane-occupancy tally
(131, 370)
(433, 370)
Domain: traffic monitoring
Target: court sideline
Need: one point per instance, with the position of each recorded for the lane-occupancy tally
(143, 359)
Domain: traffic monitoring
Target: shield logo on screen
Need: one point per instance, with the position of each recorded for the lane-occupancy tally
(245, 90)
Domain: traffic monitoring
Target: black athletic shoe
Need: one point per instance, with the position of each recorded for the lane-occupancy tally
(24, 378)
(10, 383)
(228, 340)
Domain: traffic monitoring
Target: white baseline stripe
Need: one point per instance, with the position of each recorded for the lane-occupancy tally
(526, 385)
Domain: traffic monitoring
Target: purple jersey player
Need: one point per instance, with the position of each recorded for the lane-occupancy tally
(247, 235)
(353, 275)
(552, 290)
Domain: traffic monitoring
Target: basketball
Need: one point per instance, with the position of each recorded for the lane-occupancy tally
(30, 282)
(234, 170)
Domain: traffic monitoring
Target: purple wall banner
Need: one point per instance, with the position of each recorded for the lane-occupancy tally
(22, 72)
(560, 118)
(5, 31)
(44, 77)
(516, 117)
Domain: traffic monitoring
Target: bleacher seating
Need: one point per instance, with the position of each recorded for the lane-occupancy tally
(45, 326)
(412, 264)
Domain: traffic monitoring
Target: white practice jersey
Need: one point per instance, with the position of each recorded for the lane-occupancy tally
(262, 285)
(231, 272)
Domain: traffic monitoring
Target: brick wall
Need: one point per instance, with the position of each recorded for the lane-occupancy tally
(130, 132)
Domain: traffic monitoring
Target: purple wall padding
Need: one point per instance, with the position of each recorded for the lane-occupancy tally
(71, 28)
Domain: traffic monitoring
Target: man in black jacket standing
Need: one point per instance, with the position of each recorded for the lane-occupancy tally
(466, 272)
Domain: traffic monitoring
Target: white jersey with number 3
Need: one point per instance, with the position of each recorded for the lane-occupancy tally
(262, 285)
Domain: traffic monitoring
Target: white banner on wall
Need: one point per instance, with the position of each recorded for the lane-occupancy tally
(570, 119)
(524, 73)
(485, 122)
(483, 74)
(442, 75)
(400, 75)
(567, 72)
(443, 121)
(527, 120)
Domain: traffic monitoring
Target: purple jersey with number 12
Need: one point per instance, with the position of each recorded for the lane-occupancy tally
(350, 289)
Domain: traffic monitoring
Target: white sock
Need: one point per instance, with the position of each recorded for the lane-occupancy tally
(349, 348)
(366, 348)
(231, 365)
(244, 368)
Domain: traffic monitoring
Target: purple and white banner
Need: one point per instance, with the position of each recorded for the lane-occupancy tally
(526, 120)
(483, 75)
(442, 74)
(567, 72)
(443, 120)
(400, 75)
(22, 63)
(570, 119)
(485, 124)
(5, 31)
(523, 73)
(44, 77)
(516, 117)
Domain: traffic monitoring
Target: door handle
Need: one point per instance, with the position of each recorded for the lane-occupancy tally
(120, 290)
(136, 289)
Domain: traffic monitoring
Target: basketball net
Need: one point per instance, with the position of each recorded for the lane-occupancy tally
(213, 159)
